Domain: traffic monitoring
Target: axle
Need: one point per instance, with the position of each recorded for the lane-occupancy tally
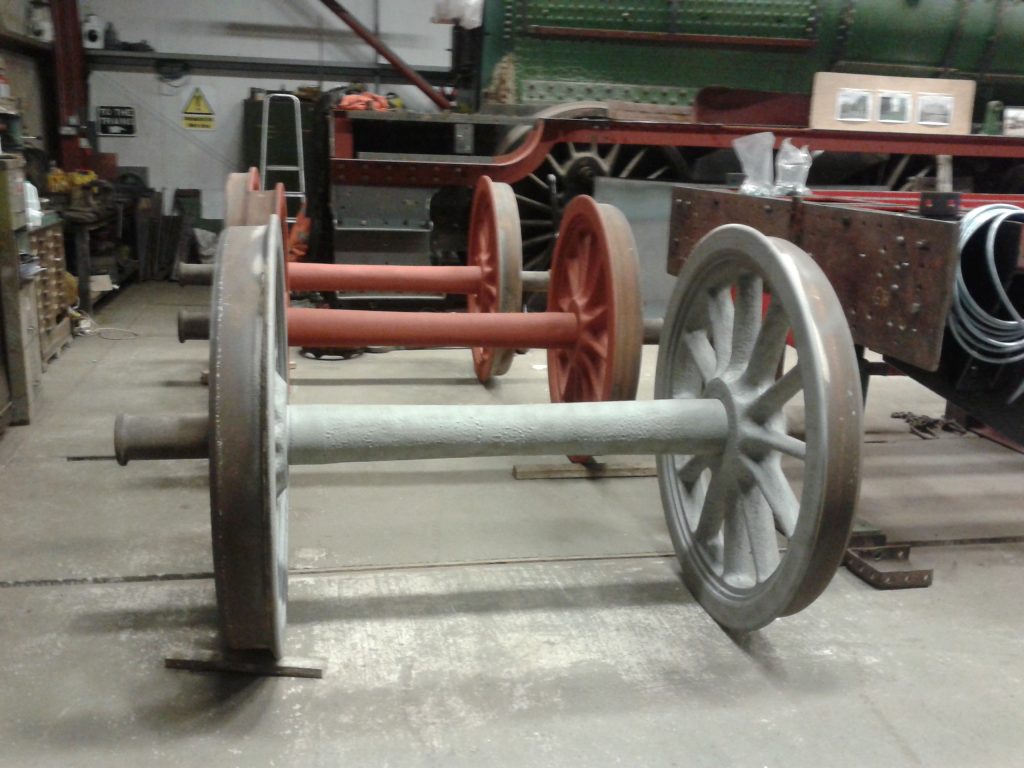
(352, 433)
(383, 278)
(194, 325)
(349, 328)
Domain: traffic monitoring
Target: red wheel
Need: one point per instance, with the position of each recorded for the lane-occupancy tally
(495, 245)
(595, 275)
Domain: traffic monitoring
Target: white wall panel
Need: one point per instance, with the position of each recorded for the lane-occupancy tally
(294, 29)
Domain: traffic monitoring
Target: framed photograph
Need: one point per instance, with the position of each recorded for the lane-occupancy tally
(853, 105)
(894, 107)
(1013, 121)
(934, 109)
(850, 101)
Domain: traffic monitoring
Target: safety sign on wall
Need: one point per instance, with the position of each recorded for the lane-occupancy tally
(198, 114)
(116, 121)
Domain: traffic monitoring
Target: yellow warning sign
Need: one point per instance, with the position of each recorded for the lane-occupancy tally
(198, 115)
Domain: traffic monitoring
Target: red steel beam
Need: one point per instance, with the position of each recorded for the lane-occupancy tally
(357, 328)
(390, 278)
(527, 157)
(69, 78)
(390, 56)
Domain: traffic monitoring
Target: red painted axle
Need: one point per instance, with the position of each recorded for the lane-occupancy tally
(346, 328)
(385, 278)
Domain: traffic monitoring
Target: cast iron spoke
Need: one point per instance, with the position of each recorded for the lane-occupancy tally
(777, 492)
(702, 353)
(772, 400)
(763, 440)
(747, 320)
(770, 344)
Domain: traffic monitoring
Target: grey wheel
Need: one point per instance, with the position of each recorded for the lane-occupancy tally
(248, 449)
(760, 528)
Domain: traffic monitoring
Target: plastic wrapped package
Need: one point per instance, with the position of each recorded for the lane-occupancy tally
(792, 165)
(755, 154)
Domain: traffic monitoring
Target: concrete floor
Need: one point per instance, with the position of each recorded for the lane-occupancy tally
(579, 647)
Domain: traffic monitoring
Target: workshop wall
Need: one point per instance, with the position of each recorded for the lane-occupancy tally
(23, 73)
(298, 30)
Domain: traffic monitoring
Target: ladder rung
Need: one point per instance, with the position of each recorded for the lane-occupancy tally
(294, 194)
(293, 168)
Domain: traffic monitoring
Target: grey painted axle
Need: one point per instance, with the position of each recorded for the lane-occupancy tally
(352, 433)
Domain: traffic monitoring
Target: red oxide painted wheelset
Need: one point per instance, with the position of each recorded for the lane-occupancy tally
(593, 328)
(492, 280)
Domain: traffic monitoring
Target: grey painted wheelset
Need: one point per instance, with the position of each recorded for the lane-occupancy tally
(751, 548)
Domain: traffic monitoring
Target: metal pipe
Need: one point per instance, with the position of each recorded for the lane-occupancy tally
(536, 282)
(392, 58)
(144, 438)
(193, 325)
(320, 434)
(195, 274)
(369, 277)
(652, 329)
(357, 328)
(387, 277)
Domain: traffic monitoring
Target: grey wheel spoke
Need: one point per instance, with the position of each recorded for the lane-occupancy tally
(612, 157)
(777, 491)
(691, 469)
(632, 164)
(747, 321)
(760, 524)
(546, 237)
(720, 318)
(538, 181)
(535, 203)
(658, 173)
(720, 496)
(770, 344)
(554, 164)
(763, 440)
(736, 556)
(702, 353)
(772, 400)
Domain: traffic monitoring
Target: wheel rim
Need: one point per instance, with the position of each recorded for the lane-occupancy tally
(248, 461)
(729, 514)
(495, 247)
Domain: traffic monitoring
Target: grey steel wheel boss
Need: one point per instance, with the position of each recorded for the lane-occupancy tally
(752, 548)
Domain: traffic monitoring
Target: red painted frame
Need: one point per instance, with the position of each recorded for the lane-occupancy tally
(516, 165)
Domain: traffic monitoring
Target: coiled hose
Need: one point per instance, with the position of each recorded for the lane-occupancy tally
(985, 336)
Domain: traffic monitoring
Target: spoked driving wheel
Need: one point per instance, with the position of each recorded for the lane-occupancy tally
(571, 169)
(754, 544)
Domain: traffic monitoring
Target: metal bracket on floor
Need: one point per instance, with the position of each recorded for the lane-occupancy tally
(869, 546)
(581, 471)
(257, 664)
